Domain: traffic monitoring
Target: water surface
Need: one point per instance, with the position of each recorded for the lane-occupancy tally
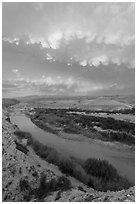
(123, 159)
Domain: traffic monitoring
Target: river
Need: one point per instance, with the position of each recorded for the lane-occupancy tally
(123, 158)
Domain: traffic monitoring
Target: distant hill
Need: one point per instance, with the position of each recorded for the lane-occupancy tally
(6, 102)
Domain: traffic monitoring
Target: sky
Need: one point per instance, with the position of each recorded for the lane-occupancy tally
(68, 49)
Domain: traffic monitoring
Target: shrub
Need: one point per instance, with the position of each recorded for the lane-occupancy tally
(66, 166)
(41, 190)
(119, 136)
(80, 174)
(22, 135)
(24, 185)
(20, 170)
(8, 119)
(71, 130)
(46, 187)
(72, 168)
(101, 169)
(81, 189)
(63, 183)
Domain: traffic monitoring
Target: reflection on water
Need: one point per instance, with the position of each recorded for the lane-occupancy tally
(122, 159)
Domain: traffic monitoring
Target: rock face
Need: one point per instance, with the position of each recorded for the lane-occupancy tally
(22, 175)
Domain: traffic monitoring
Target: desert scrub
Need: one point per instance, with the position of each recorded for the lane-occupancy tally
(24, 185)
(45, 187)
(122, 137)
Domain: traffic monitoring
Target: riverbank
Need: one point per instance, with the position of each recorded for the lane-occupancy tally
(119, 155)
(59, 121)
(13, 157)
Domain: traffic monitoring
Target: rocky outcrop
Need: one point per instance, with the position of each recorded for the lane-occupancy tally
(22, 175)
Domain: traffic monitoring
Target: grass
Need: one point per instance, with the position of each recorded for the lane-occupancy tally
(95, 173)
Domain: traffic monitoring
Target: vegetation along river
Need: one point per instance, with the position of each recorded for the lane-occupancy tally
(123, 158)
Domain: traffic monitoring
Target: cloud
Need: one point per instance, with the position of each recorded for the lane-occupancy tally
(7, 84)
(18, 74)
(52, 85)
(15, 70)
(68, 85)
(57, 85)
(91, 34)
(11, 40)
